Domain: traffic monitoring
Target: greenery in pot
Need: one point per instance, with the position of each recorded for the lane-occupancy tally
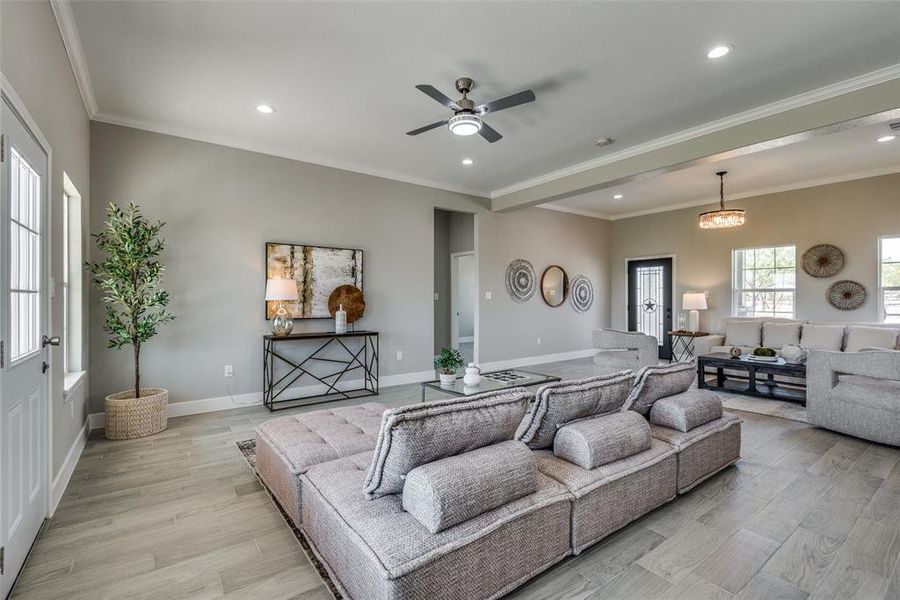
(762, 351)
(129, 279)
(448, 361)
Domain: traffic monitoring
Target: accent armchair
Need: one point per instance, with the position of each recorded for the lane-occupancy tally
(857, 393)
(620, 350)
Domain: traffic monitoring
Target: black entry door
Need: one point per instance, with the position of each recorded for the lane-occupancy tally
(650, 299)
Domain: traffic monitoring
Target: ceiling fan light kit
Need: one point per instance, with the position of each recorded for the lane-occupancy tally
(723, 218)
(466, 119)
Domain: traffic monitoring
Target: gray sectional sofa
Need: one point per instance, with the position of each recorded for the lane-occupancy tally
(471, 497)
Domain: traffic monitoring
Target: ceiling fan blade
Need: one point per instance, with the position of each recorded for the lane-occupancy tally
(438, 96)
(489, 133)
(504, 103)
(426, 128)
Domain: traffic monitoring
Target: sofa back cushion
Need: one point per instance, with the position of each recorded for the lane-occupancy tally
(452, 490)
(565, 401)
(686, 411)
(779, 335)
(822, 337)
(739, 332)
(601, 440)
(659, 381)
(870, 337)
(415, 435)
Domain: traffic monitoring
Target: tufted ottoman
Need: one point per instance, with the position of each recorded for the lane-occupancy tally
(287, 446)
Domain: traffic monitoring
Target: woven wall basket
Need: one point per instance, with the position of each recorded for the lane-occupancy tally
(128, 417)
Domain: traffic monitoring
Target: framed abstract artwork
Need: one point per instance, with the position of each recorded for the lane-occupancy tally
(318, 270)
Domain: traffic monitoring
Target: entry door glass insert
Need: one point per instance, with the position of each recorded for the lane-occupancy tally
(650, 300)
(25, 257)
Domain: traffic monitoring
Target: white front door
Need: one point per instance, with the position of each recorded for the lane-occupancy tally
(23, 382)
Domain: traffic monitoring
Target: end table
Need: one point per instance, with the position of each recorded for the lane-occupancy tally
(682, 344)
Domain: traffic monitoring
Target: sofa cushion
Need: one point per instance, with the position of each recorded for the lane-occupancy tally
(449, 491)
(778, 335)
(704, 450)
(870, 337)
(659, 381)
(563, 402)
(687, 410)
(601, 440)
(822, 337)
(422, 433)
(375, 549)
(742, 333)
(306, 439)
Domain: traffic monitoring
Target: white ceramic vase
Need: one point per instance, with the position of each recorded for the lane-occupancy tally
(473, 375)
(793, 354)
(448, 379)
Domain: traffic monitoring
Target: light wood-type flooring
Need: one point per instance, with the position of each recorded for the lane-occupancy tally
(806, 513)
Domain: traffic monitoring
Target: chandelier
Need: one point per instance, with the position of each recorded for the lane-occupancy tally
(722, 218)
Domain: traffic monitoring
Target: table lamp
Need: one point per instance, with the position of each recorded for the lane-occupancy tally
(693, 302)
(281, 290)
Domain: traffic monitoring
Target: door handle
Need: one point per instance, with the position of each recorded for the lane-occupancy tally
(44, 367)
(49, 341)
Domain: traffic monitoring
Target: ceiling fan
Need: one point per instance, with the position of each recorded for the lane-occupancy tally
(466, 119)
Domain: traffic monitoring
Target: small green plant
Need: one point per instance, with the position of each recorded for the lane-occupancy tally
(762, 351)
(448, 361)
(129, 278)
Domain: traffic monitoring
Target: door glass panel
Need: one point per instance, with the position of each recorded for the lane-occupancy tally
(650, 296)
(25, 257)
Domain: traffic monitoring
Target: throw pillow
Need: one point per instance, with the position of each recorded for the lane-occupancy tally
(870, 337)
(779, 335)
(659, 381)
(742, 333)
(822, 337)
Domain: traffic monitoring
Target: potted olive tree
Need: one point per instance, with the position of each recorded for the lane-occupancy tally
(447, 362)
(129, 279)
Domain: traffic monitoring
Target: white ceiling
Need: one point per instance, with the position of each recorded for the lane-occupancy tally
(837, 157)
(341, 74)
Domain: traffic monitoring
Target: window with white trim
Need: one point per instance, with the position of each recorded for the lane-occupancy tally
(889, 278)
(72, 280)
(764, 282)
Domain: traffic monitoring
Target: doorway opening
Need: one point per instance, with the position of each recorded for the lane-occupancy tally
(650, 300)
(455, 283)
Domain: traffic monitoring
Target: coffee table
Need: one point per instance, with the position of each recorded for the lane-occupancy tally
(749, 385)
(495, 380)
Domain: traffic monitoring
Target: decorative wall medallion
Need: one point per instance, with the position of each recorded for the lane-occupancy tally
(846, 294)
(582, 293)
(521, 282)
(823, 260)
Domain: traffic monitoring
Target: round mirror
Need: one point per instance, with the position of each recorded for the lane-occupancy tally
(554, 285)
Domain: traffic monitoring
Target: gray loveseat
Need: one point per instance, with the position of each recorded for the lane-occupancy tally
(471, 497)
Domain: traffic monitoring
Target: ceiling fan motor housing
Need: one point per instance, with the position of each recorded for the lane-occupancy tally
(464, 85)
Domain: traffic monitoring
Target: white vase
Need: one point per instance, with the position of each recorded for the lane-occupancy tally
(448, 379)
(793, 354)
(473, 375)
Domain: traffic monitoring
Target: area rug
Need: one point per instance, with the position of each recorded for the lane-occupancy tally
(772, 408)
(248, 451)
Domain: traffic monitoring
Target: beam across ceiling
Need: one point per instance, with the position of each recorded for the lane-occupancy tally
(754, 135)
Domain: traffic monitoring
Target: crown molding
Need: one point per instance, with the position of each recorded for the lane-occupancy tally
(757, 193)
(823, 93)
(220, 140)
(65, 20)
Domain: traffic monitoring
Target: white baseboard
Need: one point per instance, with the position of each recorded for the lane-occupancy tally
(61, 480)
(193, 407)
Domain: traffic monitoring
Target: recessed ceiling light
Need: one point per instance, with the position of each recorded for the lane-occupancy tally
(618, 196)
(468, 161)
(886, 138)
(719, 51)
(265, 109)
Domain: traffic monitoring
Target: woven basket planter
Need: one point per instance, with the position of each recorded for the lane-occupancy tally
(128, 417)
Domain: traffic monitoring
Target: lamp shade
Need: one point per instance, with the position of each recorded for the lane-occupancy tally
(281, 289)
(693, 301)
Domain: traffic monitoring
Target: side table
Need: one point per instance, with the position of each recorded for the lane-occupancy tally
(682, 344)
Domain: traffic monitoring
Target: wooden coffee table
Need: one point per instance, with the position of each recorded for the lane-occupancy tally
(746, 382)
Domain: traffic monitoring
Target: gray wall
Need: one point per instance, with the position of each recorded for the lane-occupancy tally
(223, 204)
(34, 60)
(467, 294)
(850, 215)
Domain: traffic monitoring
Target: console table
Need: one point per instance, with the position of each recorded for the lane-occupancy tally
(351, 353)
